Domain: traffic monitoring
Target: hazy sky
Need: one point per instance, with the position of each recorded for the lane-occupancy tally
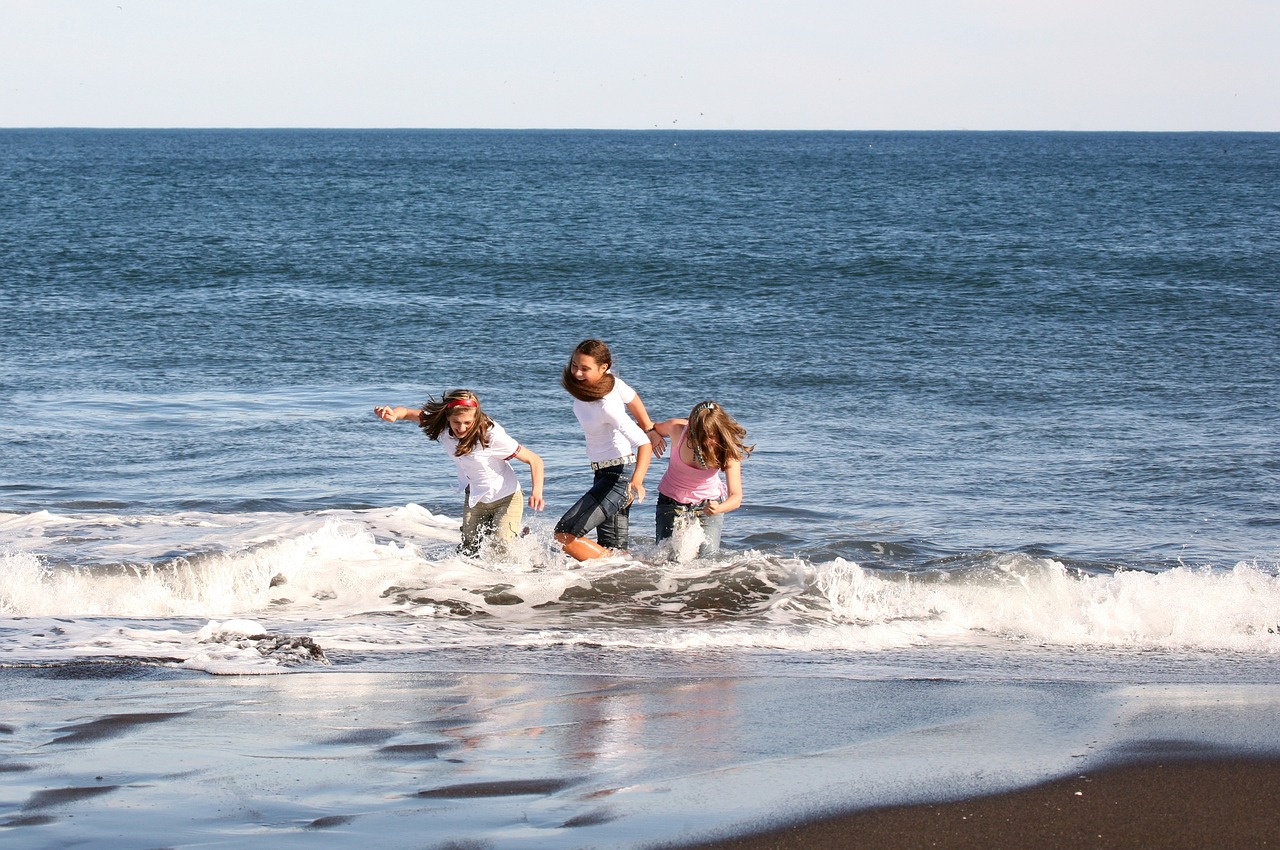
(732, 64)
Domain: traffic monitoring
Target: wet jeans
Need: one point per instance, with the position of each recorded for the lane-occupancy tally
(604, 507)
(500, 519)
(712, 526)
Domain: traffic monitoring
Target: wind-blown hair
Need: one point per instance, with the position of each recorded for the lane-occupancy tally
(435, 418)
(715, 437)
(598, 351)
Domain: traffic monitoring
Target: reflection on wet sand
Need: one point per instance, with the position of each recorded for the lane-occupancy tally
(515, 760)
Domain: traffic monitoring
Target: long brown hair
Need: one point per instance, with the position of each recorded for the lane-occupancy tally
(599, 352)
(715, 437)
(435, 418)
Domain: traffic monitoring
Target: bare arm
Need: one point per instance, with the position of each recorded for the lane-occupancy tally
(396, 414)
(732, 477)
(668, 427)
(656, 441)
(535, 473)
(643, 455)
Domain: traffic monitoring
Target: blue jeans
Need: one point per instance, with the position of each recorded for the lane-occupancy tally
(712, 526)
(604, 507)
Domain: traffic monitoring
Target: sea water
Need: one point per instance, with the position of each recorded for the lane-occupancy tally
(1013, 398)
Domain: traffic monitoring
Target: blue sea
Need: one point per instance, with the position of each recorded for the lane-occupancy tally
(1014, 399)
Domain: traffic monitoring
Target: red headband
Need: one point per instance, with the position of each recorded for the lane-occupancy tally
(461, 402)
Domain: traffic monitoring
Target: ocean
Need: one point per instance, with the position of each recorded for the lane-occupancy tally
(1014, 399)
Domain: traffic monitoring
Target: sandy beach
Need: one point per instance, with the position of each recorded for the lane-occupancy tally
(136, 756)
(1180, 805)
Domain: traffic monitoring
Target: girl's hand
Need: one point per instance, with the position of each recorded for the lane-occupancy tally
(396, 414)
(712, 508)
(658, 442)
(536, 502)
(637, 492)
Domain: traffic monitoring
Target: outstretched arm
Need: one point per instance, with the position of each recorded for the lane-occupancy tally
(668, 427)
(396, 414)
(535, 473)
(656, 441)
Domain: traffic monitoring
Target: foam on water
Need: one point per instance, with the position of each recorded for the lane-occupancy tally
(1024, 598)
(361, 584)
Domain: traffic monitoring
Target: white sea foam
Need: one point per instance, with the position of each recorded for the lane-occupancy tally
(1036, 599)
(202, 565)
(365, 583)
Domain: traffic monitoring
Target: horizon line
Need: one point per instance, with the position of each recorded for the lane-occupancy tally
(389, 128)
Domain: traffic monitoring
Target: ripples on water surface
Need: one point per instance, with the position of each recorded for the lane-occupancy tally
(1005, 387)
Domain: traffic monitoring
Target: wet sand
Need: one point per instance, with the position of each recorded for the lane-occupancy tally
(137, 756)
(1230, 803)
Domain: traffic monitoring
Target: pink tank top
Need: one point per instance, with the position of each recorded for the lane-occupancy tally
(686, 483)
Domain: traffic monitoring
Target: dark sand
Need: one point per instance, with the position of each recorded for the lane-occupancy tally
(503, 761)
(1174, 805)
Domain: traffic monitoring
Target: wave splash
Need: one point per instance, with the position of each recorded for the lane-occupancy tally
(364, 582)
(1025, 598)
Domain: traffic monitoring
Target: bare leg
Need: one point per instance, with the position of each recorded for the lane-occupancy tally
(580, 548)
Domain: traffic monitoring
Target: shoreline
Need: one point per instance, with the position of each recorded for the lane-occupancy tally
(1177, 804)
(130, 755)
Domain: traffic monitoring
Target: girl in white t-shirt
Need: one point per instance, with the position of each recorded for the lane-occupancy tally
(482, 452)
(618, 447)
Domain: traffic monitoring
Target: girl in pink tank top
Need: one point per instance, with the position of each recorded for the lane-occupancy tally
(708, 444)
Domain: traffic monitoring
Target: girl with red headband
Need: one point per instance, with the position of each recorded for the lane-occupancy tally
(618, 447)
(482, 451)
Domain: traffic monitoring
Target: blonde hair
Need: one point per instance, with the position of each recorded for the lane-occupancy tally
(715, 437)
(435, 418)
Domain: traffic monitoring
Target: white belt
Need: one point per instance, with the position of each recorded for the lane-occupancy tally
(617, 461)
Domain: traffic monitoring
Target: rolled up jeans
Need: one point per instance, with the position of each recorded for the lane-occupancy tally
(604, 507)
(500, 520)
(712, 526)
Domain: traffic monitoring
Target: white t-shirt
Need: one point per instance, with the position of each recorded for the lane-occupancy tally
(611, 432)
(487, 471)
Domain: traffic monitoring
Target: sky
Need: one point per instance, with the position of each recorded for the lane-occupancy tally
(680, 64)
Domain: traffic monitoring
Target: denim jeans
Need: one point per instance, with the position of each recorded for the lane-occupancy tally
(604, 507)
(712, 526)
